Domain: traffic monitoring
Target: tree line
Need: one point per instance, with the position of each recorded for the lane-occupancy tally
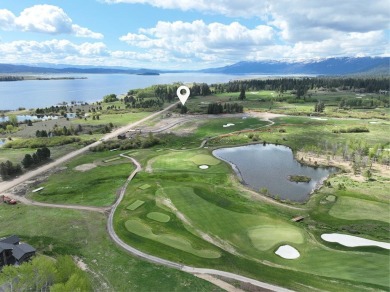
(225, 108)
(8, 169)
(301, 85)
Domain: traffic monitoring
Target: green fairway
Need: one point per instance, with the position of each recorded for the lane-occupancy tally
(238, 229)
(204, 159)
(358, 209)
(135, 205)
(215, 127)
(142, 229)
(266, 237)
(159, 217)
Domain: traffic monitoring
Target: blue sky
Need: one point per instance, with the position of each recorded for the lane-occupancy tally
(187, 34)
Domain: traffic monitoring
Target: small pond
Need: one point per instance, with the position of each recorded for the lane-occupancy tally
(269, 166)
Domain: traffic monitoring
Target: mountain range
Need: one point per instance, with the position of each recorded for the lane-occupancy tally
(328, 66)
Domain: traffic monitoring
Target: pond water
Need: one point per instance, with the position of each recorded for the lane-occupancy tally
(269, 166)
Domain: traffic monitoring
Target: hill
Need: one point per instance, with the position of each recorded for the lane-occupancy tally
(330, 66)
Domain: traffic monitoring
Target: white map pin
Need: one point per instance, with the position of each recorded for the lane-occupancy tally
(183, 97)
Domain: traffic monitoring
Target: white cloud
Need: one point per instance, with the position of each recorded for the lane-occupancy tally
(49, 51)
(44, 19)
(199, 40)
(297, 20)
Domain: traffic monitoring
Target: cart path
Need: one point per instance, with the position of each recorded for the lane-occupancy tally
(171, 264)
(25, 201)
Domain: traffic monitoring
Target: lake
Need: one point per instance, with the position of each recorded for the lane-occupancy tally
(43, 93)
(269, 166)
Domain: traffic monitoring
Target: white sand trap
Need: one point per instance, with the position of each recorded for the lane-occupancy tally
(228, 125)
(353, 241)
(319, 119)
(374, 122)
(85, 167)
(204, 166)
(287, 252)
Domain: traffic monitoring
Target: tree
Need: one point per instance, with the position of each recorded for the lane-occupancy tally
(110, 98)
(242, 94)
(319, 107)
(183, 109)
(35, 158)
(27, 161)
(13, 120)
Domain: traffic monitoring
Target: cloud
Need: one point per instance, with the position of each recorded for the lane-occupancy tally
(44, 19)
(296, 20)
(199, 40)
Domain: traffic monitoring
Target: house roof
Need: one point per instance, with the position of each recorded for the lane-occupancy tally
(22, 249)
(5, 246)
(13, 239)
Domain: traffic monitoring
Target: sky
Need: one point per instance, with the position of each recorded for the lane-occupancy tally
(189, 34)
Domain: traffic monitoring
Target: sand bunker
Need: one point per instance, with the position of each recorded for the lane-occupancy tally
(228, 125)
(353, 241)
(287, 252)
(204, 166)
(319, 119)
(85, 167)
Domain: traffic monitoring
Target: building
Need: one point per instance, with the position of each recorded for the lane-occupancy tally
(12, 252)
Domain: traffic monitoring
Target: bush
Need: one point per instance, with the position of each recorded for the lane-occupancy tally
(352, 130)
(41, 142)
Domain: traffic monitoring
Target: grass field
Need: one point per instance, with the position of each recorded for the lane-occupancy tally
(95, 187)
(358, 209)
(56, 232)
(116, 119)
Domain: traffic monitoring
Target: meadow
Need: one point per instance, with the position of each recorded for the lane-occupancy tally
(55, 232)
(97, 185)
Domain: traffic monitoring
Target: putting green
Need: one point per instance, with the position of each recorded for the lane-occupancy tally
(141, 229)
(358, 209)
(266, 237)
(331, 198)
(135, 205)
(160, 217)
(144, 187)
(204, 159)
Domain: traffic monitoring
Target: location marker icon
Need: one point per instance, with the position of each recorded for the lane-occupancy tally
(183, 97)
